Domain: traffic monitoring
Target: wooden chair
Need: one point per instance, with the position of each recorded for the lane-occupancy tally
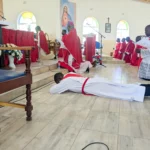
(10, 80)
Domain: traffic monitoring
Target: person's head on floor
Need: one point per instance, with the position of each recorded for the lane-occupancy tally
(123, 40)
(118, 40)
(147, 30)
(58, 77)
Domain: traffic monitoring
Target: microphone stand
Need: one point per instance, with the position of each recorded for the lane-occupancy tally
(102, 36)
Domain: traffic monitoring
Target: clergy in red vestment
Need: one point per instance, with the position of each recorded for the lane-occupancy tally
(72, 43)
(118, 44)
(122, 49)
(129, 50)
(71, 51)
(42, 42)
(63, 52)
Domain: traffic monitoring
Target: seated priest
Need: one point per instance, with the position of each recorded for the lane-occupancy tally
(122, 49)
(42, 42)
(118, 44)
(72, 56)
(144, 69)
(99, 87)
(129, 50)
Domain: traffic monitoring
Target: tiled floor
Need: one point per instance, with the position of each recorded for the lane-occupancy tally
(70, 121)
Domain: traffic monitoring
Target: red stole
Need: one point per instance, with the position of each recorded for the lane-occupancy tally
(72, 75)
(117, 49)
(43, 42)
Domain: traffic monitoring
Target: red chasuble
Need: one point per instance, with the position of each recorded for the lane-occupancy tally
(72, 43)
(118, 44)
(128, 52)
(122, 50)
(43, 42)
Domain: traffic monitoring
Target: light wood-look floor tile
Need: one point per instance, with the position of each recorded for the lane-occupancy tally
(86, 137)
(54, 137)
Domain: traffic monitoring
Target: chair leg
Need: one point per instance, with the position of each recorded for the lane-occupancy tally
(29, 106)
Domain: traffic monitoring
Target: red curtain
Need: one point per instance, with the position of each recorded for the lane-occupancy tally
(20, 38)
(31, 42)
(5, 37)
(12, 36)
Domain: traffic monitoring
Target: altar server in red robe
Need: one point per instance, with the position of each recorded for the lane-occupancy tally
(129, 50)
(122, 49)
(136, 56)
(42, 42)
(118, 44)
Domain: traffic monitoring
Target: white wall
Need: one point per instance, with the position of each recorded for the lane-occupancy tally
(47, 13)
(135, 13)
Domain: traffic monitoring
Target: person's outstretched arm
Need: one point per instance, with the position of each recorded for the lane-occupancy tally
(59, 88)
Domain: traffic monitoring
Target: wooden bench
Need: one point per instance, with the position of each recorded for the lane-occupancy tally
(10, 80)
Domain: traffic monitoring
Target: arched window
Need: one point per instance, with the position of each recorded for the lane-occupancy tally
(26, 22)
(122, 29)
(90, 25)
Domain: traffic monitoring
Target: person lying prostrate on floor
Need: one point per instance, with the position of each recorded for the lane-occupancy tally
(99, 87)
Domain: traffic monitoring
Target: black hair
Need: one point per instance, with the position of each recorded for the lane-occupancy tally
(138, 38)
(58, 77)
(147, 30)
(38, 28)
(64, 32)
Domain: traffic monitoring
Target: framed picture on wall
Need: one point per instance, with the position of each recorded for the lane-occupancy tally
(107, 28)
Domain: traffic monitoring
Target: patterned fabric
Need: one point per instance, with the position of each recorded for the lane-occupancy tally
(144, 69)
